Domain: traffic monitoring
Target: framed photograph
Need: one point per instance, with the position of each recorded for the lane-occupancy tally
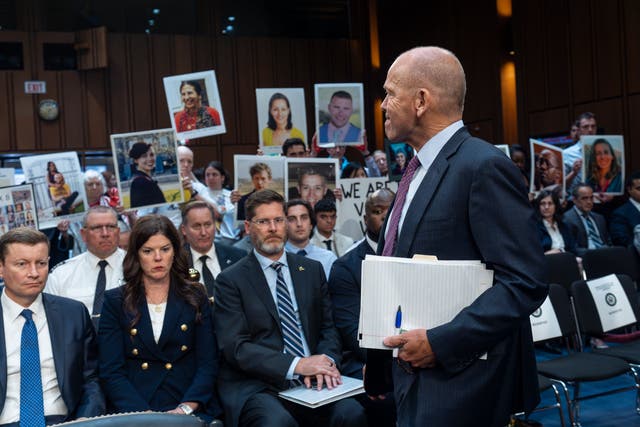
(603, 163)
(7, 177)
(281, 115)
(504, 148)
(194, 105)
(399, 154)
(339, 114)
(311, 179)
(253, 173)
(58, 187)
(146, 168)
(17, 208)
(547, 168)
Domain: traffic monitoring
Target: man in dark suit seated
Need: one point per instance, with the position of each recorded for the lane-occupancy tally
(589, 229)
(199, 230)
(274, 326)
(627, 216)
(47, 343)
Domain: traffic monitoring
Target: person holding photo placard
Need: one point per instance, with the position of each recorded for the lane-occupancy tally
(279, 127)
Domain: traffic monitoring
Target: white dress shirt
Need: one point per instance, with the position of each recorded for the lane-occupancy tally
(557, 241)
(212, 262)
(76, 278)
(13, 323)
(340, 243)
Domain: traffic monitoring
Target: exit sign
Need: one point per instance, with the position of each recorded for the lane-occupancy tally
(35, 86)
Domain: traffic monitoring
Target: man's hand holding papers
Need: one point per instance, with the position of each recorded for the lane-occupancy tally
(414, 348)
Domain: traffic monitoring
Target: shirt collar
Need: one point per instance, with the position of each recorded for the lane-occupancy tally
(211, 253)
(634, 203)
(580, 212)
(293, 248)
(266, 262)
(432, 147)
(13, 309)
(111, 259)
(371, 242)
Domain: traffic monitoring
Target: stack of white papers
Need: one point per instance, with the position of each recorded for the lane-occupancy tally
(430, 293)
(313, 398)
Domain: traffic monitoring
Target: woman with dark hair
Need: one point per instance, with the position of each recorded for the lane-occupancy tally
(353, 170)
(52, 170)
(400, 159)
(157, 348)
(603, 170)
(144, 189)
(279, 127)
(195, 115)
(519, 158)
(63, 198)
(216, 179)
(555, 235)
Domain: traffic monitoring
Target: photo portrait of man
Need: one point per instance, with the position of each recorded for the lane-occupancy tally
(547, 167)
(311, 181)
(337, 121)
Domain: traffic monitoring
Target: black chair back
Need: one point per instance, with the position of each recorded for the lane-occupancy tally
(559, 297)
(562, 268)
(611, 260)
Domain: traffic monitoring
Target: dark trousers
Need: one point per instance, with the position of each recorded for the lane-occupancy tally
(51, 419)
(267, 410)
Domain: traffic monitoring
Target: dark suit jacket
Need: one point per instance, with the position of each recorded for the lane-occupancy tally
(565, 231)
(227, 255)
(344, 287)
(623, 221)
(138, 375)
(73, 341)
(472, 205)
(248, 328)
(579, 233)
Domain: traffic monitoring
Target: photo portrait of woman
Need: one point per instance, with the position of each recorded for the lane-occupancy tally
(156, 346)
(195, 115)
(144, 189)
(279, 126)
(62, 196)
(604, 173)
(52, 170)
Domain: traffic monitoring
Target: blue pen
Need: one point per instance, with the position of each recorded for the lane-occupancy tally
(398, 326)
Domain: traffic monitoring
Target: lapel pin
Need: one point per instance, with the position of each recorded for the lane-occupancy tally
(228, 261)
(300, 268)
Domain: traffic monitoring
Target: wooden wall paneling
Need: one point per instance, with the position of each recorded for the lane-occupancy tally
(6, 112)
(608, 51)
(161, 51)
(118, 84)
(266, 60)
(183, 54)
(95, 114)
(283, 62)
(483, 129)
(142, 85)
(244, 81)
(610, 115)
(339, 62)
(548, 121)
(204, 54)
(226, 53)
(557, 52)
(533, 56)
(632, 136)
(582, 50)
(321, 61)
(24, 106)
(72, 120)
(631, 18)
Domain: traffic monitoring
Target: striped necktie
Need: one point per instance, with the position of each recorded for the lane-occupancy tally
(288, 319)
(592, 232)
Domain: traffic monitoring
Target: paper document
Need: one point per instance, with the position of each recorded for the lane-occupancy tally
(313, 398)
(430, 292)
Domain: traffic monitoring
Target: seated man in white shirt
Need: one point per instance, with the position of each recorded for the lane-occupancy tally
(87, 276)
(324, 235)
(48, 343)
(299, 213)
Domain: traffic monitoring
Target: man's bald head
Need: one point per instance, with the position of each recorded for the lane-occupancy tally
(185, 160)
(440, 72)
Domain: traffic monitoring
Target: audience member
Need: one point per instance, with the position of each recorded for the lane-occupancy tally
(48, 367)
(259, 360)
(324, 234)
(588, 228)
(294, 147)
(157, 348)
(555, 235)
(299, 228)
(198, 229)
(85, 277)
(353, 170)
(216, 178)
(572, 156)
(381, 161)
(60, 242)
(519, 158)
(627, 217)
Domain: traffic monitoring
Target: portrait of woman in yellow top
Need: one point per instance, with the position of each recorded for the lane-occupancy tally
(279, 125)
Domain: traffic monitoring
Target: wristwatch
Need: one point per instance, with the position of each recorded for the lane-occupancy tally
(186, 408)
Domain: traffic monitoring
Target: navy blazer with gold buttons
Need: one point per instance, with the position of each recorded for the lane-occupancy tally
(138, 374)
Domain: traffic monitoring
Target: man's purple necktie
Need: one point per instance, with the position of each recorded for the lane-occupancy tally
(401, 196)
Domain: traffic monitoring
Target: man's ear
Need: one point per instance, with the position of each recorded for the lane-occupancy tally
(422, 101)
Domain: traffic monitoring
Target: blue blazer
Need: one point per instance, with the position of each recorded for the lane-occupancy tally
(73, 342)
(472, 205)
(353, 134)
(344, 288)
(623, 221)
(579, 233)
(139, 375)
(565, 231)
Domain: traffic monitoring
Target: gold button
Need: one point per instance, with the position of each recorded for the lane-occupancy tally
(133, 332)
(134, 351)
(145, 366)
(184, 348)
(168, 366)
(183, 327)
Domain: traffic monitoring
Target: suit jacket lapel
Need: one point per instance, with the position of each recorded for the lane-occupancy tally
(171, 316)
(3, 360)
(260, 286)
(145, 329)
(223, 260)
(425, 192)
(55, 319)
(300, 279)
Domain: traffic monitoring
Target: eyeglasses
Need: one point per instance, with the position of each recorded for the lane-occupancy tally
(264, 222)
(110, 228)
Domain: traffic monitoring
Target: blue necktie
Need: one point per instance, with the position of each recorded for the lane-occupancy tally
(288, 320)
(302, 252)
(592, 233)
(31, 403)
